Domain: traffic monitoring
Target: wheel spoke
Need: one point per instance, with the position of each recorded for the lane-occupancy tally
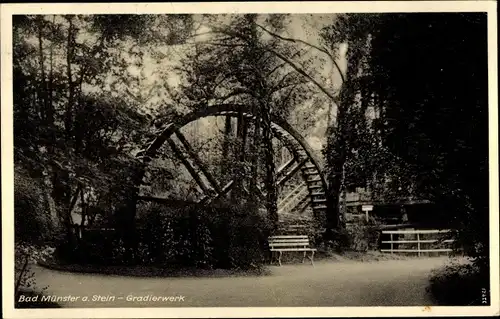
(194, 156)
(289, 174)
(284, 168)
(294, 199)
(212, 187)
(192, 170)
(207, 199)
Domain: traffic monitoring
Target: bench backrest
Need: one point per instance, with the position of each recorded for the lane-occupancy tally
(289, 241)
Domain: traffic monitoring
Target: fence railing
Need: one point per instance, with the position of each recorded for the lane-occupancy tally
(416, 241)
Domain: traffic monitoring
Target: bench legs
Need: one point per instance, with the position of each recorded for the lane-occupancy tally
(311, 257)
(273, 253)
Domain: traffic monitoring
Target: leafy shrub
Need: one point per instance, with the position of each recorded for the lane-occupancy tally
(96, 247)
(340, 243)
(34, 232)
(360, 237)
(25, 256)
(460, 285)
(32, 222)
(246, 238)
(363, 237)
(183, 235)
(176, 235)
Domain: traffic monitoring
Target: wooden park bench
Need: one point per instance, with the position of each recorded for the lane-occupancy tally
(287, 243)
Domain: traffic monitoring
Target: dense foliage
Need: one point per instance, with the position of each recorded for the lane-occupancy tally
(427, 136)
(95, 89)
(460, 285)
(433, 122)
(182, 235)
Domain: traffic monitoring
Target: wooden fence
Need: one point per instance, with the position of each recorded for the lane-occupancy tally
(416, 241)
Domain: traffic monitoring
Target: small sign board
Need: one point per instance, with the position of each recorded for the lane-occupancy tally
(366, 208)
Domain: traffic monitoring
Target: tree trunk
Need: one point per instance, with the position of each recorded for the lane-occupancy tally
(238, 191)
(42, 104)
(255, 161)
(61, 179)
(51, 205)
(270, 169)
(125, 216)
(50, 106)
(68, 122)
(61, 193)
(226, 148)
(242, 137)
(338, 145)
(55, 218)
(334, 189)
(84, 208)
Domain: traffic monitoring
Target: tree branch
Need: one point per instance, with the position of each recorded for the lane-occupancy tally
(287, 97)
(308, 44)
(230, 45)
(280, 82)
(303, 73)
(294, 84)
(236, 92)
(282, 64)
(287, 60)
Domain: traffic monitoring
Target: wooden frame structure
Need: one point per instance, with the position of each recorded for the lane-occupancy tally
(303, 159)
(419, 245)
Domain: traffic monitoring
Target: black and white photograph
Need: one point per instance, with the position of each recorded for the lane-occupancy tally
(230, 159)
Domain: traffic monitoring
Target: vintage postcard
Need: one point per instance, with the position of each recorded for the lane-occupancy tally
(259, 159)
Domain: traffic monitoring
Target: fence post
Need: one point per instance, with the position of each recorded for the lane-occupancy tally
(391, 244)
(418, 244)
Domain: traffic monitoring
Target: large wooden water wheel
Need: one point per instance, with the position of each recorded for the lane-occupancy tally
(306, 193)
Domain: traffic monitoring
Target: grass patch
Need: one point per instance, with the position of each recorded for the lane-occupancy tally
(368, 256)
(460, 284)
(150, 271)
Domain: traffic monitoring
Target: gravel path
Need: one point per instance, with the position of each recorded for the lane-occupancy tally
(330, 284)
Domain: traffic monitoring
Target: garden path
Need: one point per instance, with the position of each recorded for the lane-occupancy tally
(330, 283)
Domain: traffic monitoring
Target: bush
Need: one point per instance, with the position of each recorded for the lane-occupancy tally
(340, 243)
(243, 241)
(460, 285)
(96, 247)
(33, 231)
(176, 236)
(25, 256)
(362, 238)
(359, 237)
(32, 222)
(183, 235)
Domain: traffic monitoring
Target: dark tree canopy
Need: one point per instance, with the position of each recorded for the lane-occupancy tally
(431, 72)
